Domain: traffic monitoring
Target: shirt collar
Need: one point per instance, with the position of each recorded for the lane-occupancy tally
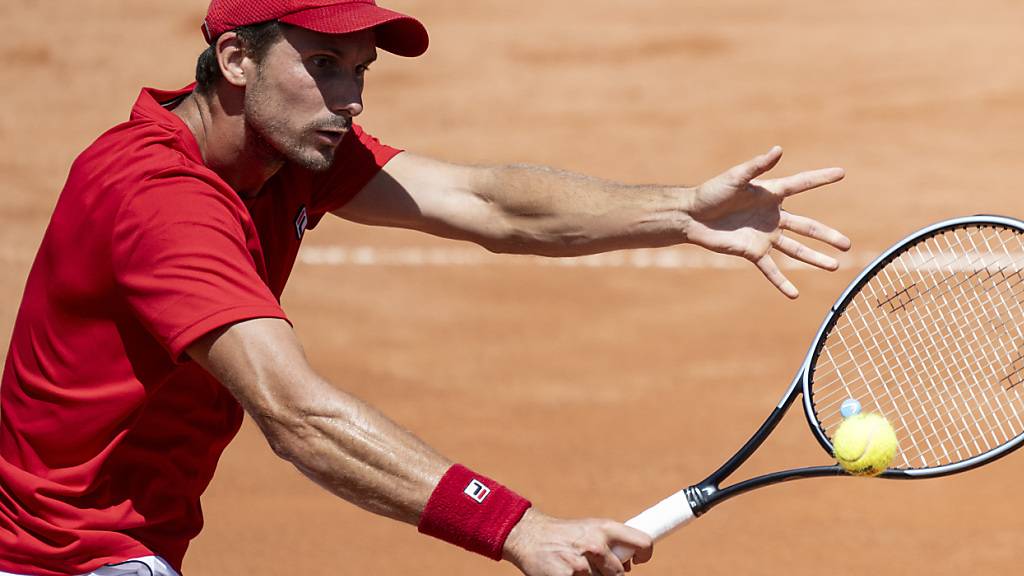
(155, 106)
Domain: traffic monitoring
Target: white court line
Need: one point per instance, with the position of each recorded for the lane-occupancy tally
(413, 257)
(667, 258)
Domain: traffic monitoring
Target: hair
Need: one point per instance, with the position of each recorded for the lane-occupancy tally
(256, 39)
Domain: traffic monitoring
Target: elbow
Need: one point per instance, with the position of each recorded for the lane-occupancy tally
(507, 245)
(283, 443)
(517, 236)
(285, 427)
(501, 234)
(519, 246)
(552, 244)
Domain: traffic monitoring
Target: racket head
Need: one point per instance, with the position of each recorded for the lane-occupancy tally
(930, 335)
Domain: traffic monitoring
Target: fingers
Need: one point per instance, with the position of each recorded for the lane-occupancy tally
(798, 251)
(613, 538)
(756, 166)
(581, 548)
(639, 543)
(643, 554)
(581, 566)
(771, 271)
(605, 563)
(622, 534)
(631, 554)
(813, 229)
(802, 182)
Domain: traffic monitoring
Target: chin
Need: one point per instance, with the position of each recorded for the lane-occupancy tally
(316, 161)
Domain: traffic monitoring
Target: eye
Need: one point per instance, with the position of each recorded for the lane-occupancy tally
(321, 62)
(362, 69)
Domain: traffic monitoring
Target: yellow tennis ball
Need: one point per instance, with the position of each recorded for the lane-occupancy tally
(865, 444)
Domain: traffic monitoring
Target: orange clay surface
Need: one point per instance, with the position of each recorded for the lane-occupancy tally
(595, 391)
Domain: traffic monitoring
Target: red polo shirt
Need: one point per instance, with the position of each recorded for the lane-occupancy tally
(108, 434)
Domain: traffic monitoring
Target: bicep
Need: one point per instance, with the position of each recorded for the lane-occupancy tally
(428, 195)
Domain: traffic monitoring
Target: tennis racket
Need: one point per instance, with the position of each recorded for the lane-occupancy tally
(930, 335)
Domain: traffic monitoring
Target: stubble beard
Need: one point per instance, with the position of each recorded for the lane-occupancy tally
(267, 130)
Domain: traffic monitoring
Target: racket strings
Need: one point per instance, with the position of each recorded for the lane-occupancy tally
(876, 333)
(933, 341)
(929, 349)
(869, 349)
(972, 359)
(1012, 378)
(873, 336)
(898, 356)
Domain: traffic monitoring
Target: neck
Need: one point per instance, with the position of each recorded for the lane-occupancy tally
(227, 143)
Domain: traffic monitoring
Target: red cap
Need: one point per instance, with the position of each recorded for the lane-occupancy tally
(396, 33)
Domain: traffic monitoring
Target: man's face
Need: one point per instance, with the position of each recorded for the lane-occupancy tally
(305, 91)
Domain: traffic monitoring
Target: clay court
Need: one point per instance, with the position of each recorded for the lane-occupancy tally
(599, 386)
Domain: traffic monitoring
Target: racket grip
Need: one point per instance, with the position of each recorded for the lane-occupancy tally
(658, 521)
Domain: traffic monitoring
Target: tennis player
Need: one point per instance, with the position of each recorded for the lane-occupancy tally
(151, 321)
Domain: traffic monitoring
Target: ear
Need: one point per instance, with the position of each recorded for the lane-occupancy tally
(232, 59)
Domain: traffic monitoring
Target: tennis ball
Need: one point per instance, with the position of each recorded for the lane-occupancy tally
(865, 444)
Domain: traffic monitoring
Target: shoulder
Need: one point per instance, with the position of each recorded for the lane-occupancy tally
(138, 149)
(145, 166)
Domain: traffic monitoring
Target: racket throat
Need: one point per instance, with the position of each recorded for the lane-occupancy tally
(708, 493)
(699, 498)
(711, 483)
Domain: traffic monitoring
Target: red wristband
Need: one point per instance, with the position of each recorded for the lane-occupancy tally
(472, 511)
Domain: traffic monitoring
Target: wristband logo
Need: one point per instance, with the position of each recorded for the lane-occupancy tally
(477, 491)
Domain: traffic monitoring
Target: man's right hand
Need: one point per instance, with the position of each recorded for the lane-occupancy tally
(540, 545)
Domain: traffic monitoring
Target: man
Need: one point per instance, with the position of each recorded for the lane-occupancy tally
(151, 316)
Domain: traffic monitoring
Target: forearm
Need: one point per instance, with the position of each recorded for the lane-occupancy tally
(554, 213)
(337, 440)
(356, 452)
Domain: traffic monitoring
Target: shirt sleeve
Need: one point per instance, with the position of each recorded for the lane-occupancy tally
(358, 159)
(183, 257)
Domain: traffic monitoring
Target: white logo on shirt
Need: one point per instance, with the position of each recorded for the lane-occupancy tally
(301, 221)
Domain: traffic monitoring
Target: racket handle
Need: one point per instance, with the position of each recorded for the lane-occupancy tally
(658, 521)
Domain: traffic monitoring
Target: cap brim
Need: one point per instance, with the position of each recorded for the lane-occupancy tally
(396, 32)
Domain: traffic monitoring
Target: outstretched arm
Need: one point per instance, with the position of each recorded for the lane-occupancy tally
(358, 453)
(538, 210)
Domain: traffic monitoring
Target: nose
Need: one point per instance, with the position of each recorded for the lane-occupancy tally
(348, 100)
(351, 109)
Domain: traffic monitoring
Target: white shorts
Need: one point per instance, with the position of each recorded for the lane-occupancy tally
(148, 566)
